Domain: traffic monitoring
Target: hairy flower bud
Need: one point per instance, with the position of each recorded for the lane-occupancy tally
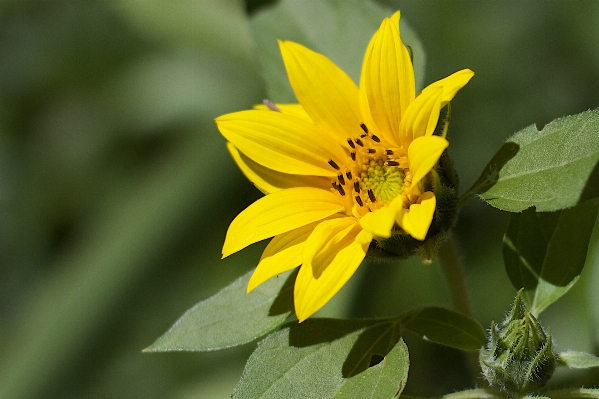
(518, 357)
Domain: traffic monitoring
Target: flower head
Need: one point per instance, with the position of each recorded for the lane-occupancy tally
(345, 166)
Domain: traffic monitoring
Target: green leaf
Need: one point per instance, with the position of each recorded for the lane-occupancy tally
(574, 393)
(490, 175)
(478, 393)
(446, 327)
(339, 29)
(553, 169)
(326, 358)
(578, 360)
(231, 317)
(544, 253)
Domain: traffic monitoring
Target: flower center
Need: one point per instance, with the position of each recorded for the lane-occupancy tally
(386, 182)
(374, 174)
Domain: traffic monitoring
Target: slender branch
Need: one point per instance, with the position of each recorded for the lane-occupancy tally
(453, 272)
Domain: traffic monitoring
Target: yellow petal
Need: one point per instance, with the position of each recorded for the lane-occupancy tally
(325, 236)
(284, 252)
(388, 78)
(417, 220)
(277, 213)
(421, 117)
(268, 180)
(380, 222)
(281, 142)
(290, 109)
(327, 94)
(364, 237)
(451, 85)
(423, 154)
(365, 106)
(319, 280)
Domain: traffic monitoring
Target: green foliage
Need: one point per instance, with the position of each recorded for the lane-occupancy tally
(339, 29)
(231, 317)
(545, 253)
(577, 393)
(446, 327)
(326, 358)
(551, 169)
(578, 360)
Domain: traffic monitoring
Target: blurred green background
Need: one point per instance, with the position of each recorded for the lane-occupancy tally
(116, 189)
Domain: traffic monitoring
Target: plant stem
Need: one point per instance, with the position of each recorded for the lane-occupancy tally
(453, 272)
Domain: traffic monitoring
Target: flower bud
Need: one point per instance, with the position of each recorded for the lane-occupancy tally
(518, 357)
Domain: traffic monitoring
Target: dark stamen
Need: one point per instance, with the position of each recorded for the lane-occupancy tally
(363, 126)
(341, 190)
(334, 183)
(389, 152)
(341, 180)
(363, 135)
(371, 150)
(359, 142)
(359, 200)
(271, 106)
(353, 155)
(357, 186)
(349, 175)
(351, 143)
(371, 195)
(392, 163)
(375, 138)
(333, 164)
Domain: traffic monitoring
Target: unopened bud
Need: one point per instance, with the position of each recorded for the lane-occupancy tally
(518, 356)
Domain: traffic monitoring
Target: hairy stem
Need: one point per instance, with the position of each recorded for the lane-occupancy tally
(455, 279)
(453, 272)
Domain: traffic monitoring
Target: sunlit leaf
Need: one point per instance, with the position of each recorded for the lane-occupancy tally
(339, 29)
(231, 317)
(545, 252)
(446, 327)
(553, 169)
(578, 360)
(326, 358)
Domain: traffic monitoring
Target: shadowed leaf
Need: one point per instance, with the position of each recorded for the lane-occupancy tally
(446, 327)
(544, 253)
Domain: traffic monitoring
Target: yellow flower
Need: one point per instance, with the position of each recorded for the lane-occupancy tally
(343, 167)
